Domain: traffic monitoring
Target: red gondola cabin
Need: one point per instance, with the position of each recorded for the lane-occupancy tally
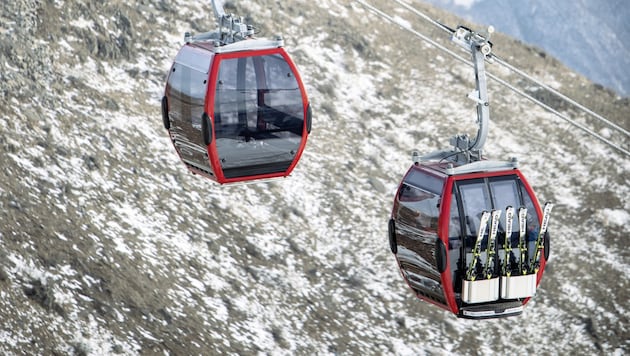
(436, 222)
(236, 112)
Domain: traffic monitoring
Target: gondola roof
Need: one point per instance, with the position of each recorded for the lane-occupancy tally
(251, 44)
(457, 168)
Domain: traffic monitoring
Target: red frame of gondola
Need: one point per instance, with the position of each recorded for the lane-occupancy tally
(209, 109)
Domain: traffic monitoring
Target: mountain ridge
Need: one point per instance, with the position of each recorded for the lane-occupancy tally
(109, 246)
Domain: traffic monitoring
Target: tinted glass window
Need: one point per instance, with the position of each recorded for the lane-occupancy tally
(426, 181)
(455, 241)
(454, 227)
(419, 207)
(505, 192)
(477, 195)
(187, 91)
(259, 115)
(416, 230)
(195, 58)
(475, 199)
(533, 224)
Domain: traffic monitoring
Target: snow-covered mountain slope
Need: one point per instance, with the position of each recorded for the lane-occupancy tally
(589, 36)
(109, 246)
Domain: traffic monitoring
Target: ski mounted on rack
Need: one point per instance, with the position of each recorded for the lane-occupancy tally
(471, 274)
(534, 265)
(490, 250)
(522, 239)
(507, 244)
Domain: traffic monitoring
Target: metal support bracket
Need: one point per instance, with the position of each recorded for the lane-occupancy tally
(231, 29)
(480, 48)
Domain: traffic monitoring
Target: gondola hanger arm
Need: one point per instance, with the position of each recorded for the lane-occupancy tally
(480, 48)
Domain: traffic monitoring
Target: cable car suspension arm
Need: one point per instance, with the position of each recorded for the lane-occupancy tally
(480, 48)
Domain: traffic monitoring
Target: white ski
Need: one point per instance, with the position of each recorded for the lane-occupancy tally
(522, 241)
(491, 248)
(507, 244)
(535, 263)
(483, 224)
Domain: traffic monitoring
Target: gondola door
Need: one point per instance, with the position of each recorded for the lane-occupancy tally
(259, 109)
(470, 195)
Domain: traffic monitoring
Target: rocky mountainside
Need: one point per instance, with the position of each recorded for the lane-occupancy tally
(109, 246)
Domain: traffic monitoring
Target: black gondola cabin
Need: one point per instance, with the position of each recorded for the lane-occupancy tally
(236, 112)
(436, 222)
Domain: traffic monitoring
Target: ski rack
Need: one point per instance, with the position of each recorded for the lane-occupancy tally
(231, 28)
(464, 149)
(492, 287)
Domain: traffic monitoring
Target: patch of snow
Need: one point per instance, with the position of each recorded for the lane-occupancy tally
(617, 217)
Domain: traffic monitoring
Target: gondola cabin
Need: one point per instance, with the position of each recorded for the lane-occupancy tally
(448, 251)
(236, 112)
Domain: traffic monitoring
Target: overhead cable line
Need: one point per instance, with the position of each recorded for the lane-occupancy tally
(559, 114)
(518, 71)
(426, 17)
(416, 33)
(387, 17)
(562, 96)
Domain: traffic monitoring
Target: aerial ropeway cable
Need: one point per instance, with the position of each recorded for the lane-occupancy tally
(512, 68)
(493, 58)
(561, 96)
